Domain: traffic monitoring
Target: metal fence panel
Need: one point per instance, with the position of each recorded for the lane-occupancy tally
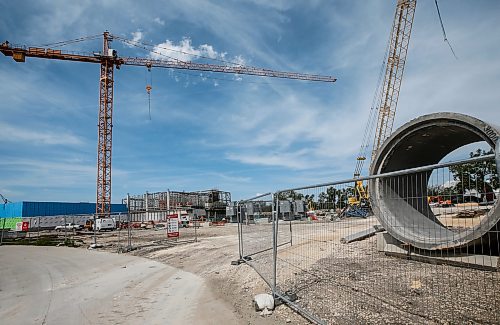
(437, 263)
(256, 234)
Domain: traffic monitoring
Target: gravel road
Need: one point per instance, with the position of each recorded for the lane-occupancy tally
(58, 285)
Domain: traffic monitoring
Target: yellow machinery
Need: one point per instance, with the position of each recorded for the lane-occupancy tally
(360, 194)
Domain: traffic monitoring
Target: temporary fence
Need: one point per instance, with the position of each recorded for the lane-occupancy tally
(424, 248)
(255, 233)
(126, 232)
(44, 230)
(155, 234)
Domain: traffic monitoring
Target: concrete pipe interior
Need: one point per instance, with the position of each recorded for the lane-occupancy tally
(401, 203)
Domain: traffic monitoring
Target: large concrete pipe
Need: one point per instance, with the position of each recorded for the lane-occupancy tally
(400, 203)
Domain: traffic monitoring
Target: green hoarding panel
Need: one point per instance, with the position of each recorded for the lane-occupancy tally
(9, 223)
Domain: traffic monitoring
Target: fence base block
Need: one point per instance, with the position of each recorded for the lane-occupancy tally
(392, 247)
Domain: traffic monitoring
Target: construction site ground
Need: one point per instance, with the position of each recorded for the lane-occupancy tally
(61, 285)
(395, 289)
(206, 252)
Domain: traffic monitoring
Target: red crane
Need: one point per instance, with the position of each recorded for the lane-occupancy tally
(108, 60)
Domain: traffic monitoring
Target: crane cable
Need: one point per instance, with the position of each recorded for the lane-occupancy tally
(372, 118)
(444, 32)
(135, 43)
(149, 86)
(132, 43)
(71, 41)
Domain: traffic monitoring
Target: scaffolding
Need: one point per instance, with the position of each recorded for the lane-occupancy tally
(210, 204)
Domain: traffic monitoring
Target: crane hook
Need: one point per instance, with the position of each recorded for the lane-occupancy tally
(149, 87)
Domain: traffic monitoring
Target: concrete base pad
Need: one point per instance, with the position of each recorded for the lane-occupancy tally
(393, 247)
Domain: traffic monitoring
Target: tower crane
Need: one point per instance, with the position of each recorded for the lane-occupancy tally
(108, 60)
(385, 102)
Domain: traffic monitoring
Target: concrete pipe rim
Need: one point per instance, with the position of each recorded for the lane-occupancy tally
(412, 133)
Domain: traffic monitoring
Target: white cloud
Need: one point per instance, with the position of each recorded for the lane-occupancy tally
(38, 179)
(238, 60)
(283, 159)
(159, 21)
(185, 51)
(16, 134)
(136, 37)
(309, 132)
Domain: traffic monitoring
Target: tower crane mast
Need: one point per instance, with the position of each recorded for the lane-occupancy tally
(108, 60)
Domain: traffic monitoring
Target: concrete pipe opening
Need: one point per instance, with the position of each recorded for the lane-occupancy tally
(401, 203)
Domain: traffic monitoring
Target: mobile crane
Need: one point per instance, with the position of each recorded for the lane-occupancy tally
(386, 102)
(108, 60)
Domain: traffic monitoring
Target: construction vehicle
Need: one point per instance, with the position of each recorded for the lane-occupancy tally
(360, 195)
(109, 59)
(358, 203)
(384, 102)
(89, 225)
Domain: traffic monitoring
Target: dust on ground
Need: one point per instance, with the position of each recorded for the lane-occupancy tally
(338, 283)
(207, 252)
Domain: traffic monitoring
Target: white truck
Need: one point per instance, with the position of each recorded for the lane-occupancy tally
(105, 224)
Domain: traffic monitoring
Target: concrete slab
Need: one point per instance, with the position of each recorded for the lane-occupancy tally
(393, 247)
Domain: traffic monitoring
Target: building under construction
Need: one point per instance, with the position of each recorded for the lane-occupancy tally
(206, 205)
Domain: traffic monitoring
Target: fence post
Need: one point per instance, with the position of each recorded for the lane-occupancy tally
(240, 228)
(196, 224)
(95, 228)
(129, 233)
(497, 155)
(65, 231)
(119, 232)
(3, 230)
(275, 212)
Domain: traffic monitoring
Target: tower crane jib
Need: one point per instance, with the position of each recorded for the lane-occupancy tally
(108, 60)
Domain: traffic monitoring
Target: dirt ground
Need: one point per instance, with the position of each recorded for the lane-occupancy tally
(62, 285)
(207, 253)
(338, 283)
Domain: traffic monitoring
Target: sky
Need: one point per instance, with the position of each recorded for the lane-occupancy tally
(242, 134)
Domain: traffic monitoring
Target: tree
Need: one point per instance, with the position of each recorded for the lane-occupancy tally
(322, 200)
(480, 176)
(327, 200)
(331, 193)
(292, 195)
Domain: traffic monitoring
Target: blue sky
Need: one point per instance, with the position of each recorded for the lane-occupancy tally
(246, 135)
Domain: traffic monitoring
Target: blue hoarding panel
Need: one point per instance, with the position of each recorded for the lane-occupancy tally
(11, 210)
(40, 209)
